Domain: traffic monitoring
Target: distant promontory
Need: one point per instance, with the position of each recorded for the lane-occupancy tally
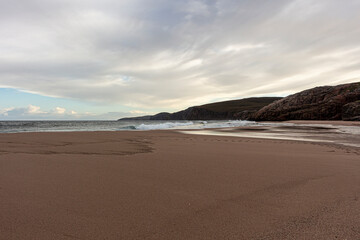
(235, 109)
(341, 102)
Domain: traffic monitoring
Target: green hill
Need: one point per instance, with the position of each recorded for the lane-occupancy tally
(234, 109)
(246, 104)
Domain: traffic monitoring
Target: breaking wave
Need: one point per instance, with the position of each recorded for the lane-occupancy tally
(166, 125)
(74, 126)
(193, 125)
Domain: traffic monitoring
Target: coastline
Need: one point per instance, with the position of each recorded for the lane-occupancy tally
(338, 133)
(323, 122)
(168, 185)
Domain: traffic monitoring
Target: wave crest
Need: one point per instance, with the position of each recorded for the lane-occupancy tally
(166, 125)
(193, 125)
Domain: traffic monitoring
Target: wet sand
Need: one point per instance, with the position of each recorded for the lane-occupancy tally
(322, 122)
(336, 133)
(169, 185)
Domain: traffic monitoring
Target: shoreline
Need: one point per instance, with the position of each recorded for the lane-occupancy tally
(326, 122)
(296, 122)
(343, 133)
(168, 185)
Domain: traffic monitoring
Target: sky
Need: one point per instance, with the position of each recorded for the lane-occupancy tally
(106, 59)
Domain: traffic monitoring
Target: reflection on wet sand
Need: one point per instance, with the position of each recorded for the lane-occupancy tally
(343, 135)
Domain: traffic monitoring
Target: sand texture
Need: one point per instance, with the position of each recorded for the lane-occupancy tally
(169, 185)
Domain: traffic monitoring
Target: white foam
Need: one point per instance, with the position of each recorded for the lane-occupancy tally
(194, 125)
(355, 130)
(226, 124)
(166, 125)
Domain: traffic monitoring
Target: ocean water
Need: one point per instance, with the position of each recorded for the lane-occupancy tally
(341, 135)
(73, 126)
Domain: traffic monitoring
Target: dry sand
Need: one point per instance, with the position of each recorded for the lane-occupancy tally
(169, 185)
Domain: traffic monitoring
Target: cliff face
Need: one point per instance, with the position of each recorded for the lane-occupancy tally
(321, 103)
(351, 111)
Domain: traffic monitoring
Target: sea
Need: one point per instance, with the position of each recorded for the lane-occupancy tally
(76, 126)
(327, 133)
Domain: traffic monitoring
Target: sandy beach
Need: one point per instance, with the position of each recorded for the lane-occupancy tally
(170, 185)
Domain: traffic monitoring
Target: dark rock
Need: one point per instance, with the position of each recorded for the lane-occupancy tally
(320, 103)
(161, 116)
(351, 111)
(136, 118)
(244, 115)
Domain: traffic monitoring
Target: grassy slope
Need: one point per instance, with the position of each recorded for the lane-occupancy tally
(246, 104)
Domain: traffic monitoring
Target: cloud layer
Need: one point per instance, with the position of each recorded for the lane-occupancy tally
(172, 54)
(32, 112)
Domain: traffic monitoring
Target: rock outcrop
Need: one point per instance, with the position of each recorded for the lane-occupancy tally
(321, 103)
(351, 111)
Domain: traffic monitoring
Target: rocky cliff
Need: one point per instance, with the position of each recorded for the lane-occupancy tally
(340, 102)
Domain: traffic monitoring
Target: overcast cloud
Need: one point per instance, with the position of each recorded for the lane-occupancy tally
(32, 112)
(173, 54)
